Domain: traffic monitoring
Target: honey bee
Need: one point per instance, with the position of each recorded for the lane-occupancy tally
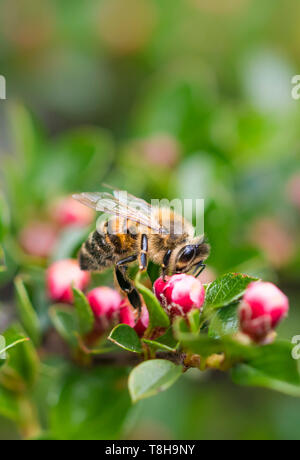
(135, 230)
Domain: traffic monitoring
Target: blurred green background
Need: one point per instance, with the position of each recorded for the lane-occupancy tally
(165, 99)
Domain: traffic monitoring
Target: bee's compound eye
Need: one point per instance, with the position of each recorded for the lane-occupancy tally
(187, 254)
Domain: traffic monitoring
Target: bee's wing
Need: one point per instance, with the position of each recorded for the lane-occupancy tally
(110, 204)
(133, 201)
(130, 200)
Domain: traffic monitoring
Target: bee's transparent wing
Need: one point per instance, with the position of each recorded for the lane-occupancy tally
(116, 206)
(133, 202)
(130, 200)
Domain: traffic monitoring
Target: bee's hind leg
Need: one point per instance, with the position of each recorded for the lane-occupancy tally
(125, 284)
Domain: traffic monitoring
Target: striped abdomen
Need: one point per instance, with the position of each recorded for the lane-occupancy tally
(102, 250)
(96, 253)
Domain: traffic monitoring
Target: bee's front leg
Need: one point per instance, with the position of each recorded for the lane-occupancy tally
(165, 264)
(144, 252)
(199, 269)
(125, 284)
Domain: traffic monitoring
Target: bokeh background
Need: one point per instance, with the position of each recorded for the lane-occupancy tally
(166, 99)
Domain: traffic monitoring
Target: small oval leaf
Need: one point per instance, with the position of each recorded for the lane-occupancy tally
(125, 337)
(157, 316)
(224, 322)
(27, 313)
(64, 320)
(150, 377)
(23, 360)
(85, 316)
(226, 290)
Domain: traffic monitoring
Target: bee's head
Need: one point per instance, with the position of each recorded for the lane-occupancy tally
(190, 255)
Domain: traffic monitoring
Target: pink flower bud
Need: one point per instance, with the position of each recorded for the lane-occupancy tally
(67, 211)
(128, 315)
(61, 276)
(180, 294)
(38, 238)
(159, 286)
(104, 302)
(262, 308)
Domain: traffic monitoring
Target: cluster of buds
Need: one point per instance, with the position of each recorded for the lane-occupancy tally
(39, 237)
(179, 294)
(108, 306)
(261, 310)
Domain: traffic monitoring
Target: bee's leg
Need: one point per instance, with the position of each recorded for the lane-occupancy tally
(199, 269)
(125, 284)
(120, 271)
(165, 263)
(144, 252)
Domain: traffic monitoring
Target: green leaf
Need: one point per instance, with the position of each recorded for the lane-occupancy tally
(16, 342)
(272, 366)
(65, 322)
(22, 361)
(224, 322)
(165, 342)
(24, 135)
(125, 337)
(27, 313)
(226, 289)
(150, 377)
(85, 316)
(157, 316)
(89, 405)
(153, 271)
(180, 326)
(9, 405)
(194, 320)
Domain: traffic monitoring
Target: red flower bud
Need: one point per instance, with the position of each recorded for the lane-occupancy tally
(61, 276)
(180, 294)
(159, 286)
(38, 238)
(67, 212)
(262, 308)
(104, 302)
(128, 315)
